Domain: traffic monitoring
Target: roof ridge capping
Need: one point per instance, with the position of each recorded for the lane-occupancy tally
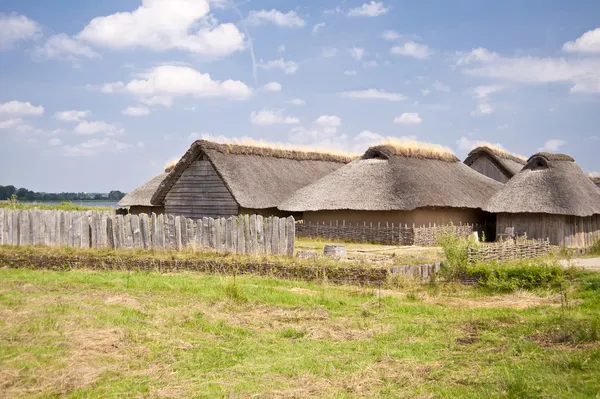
(548, 156)
(499, 152)
(390, 147)
(276, 150)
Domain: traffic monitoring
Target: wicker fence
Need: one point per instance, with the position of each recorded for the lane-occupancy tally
(519, 248)
(243, 235)
(381, 233)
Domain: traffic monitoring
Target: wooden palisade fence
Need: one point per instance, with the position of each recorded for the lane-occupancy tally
(519, 248)
(245, 234)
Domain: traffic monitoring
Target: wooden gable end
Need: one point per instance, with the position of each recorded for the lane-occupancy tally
(487, 167)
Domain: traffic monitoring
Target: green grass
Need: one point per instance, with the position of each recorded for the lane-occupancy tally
(83, 334)
(63, 206)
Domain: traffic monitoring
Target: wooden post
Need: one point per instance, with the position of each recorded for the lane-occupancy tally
(183, 239)
(248, 235)
(191, 233)
(158, 239)
(212, 233)
(110, 233)
(145, 231)
(217, 234)
(76, 223)
(24, 229)
(291, 235)
(282, 236)
(199, 234)
(241, 235)
(268, 233)
(135, 229)
(103, 234)
(260, 235)
(206, 231)
(253, 235)
(275, 236)
(2, 226)
(128, 232)
(118, 227)
(229, 235)
(85, 230)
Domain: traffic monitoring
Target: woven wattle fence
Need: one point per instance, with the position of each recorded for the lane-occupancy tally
(245, 234)
(519, 248)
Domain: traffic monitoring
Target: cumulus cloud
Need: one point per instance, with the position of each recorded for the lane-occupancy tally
(372, 9)
(21, 108)
(136, 111)
(350, 72)
(159, 85)
(63, 46)
(466, 145)
(297, 101)
(390, 35)
(7, 124)
(272, 117)
(552, 145)
(88, 128)
(184, 24)
(318, 27)
(373, 94)
(412, 49)
(95, 147)
(329, 52)
(71, 116)
(483, 92)
(357, 53)
(272, 87)
(589, 42)
(408, 118)
(16, 28)
(288, 67)
(287, 20)
(54, 142)
(439, 86)
(483, 109)
(328, 121)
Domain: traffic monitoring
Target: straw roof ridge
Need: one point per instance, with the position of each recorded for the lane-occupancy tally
(270, 150)
(142, 196)
(256, 177)
(499, 152)
(556, 186)
(410, 149)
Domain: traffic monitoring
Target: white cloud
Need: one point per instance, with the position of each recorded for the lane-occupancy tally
(318, 27)
(425, 92)
(328, 121)
(21, 108)
(372, 9)
(390, 35)
(552, 145)
(286, 20)
(10, 123)
(439, 86)
(412, 49)
(409, 118)
(272, 87)
(589, 42)
(281, 48)
(65, 47)
(54, 142)
(95, 147)
(162, 25)
(329, 52)
(367, 135)
(466, 145)
(373, 94)
(15, 28)
(483, 92)
(113, 87)
(483, 109)
(136, 111)
(582, 74)
(296, 101)
(288, 67)
(272, 117)
(71, 116)
(370, 64)
(160, 84)
(350, 73)
(357, 53)
(95, 127)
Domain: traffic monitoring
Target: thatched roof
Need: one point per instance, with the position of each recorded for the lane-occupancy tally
(510, 164)
(257, 177)
(142, 195)
(596, 180)
(549, 183)
(386, 178)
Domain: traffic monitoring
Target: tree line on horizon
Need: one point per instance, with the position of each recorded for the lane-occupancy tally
(23, 194)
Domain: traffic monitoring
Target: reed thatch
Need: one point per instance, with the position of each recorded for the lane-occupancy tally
(596, 180)
(257, 177)
(386, 179)
(509, 164)
(551, 184)
(142, 195)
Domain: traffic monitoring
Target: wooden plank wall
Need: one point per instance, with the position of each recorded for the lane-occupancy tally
(484, 165)
(568, 231)
(200, 192)
(246, 234)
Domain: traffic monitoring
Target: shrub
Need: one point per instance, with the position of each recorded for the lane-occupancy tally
(456, 252)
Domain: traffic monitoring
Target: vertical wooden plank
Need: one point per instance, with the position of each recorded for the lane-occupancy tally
(177, 240)
(199, 235)
(93, 217)
(172, 233)
(118, 231)
(248, 235)
(34, 223)
(9, 228)
(282, 236)
(268, 227)
(290, 235)
(158, 239)
(145, 231)
(127, 232)
(205, 233)
(86, 240)
(24, 229)
(183, 234)
(260, 235)
(212, 233)
(103, 233)
(191, 234)
(135, 230)
(229, 235)
(275, 237)
(2, 226)
(64, 229)
(217, 234)
(253, 235)
(76, 223)
(110, 232)
(70, 230)
(241, 235)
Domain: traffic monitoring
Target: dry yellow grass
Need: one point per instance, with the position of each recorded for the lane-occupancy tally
(499, 151)
(414, 149)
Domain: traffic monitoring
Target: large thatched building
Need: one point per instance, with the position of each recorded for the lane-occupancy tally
(400, 183)
(495, 163)
(213, 179)
(139, 200)
(550, 198)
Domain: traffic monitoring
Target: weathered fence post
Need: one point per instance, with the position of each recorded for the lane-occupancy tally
(247, 235)
(268, 228)
(260, 235)
(199, 234)
(241, 235)
(128, 233)
(275, 236)
(291, 235)
(145, 231)
(24, 231)
(135, 229)
(254, 247)
(282, 236)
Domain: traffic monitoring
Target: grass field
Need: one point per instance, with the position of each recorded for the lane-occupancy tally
(63, 206)
(84, 334)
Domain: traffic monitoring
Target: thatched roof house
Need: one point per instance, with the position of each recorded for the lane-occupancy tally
(550, 198)
(397, 182)
(214, 179)
(495, 163)
(139, 200)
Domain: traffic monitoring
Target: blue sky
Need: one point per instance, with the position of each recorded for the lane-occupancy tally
(96, 96)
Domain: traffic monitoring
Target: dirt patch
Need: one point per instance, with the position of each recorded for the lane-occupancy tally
(123, 300)
(305, 291)
(520, 300)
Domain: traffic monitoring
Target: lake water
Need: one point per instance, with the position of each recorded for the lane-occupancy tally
(110, 204)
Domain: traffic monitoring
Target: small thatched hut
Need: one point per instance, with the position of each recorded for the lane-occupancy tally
(550, 198)
(495, 163)
(139, 200)
(399, 182)
(214, 179)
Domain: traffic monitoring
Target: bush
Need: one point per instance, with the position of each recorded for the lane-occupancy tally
(456, 252)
